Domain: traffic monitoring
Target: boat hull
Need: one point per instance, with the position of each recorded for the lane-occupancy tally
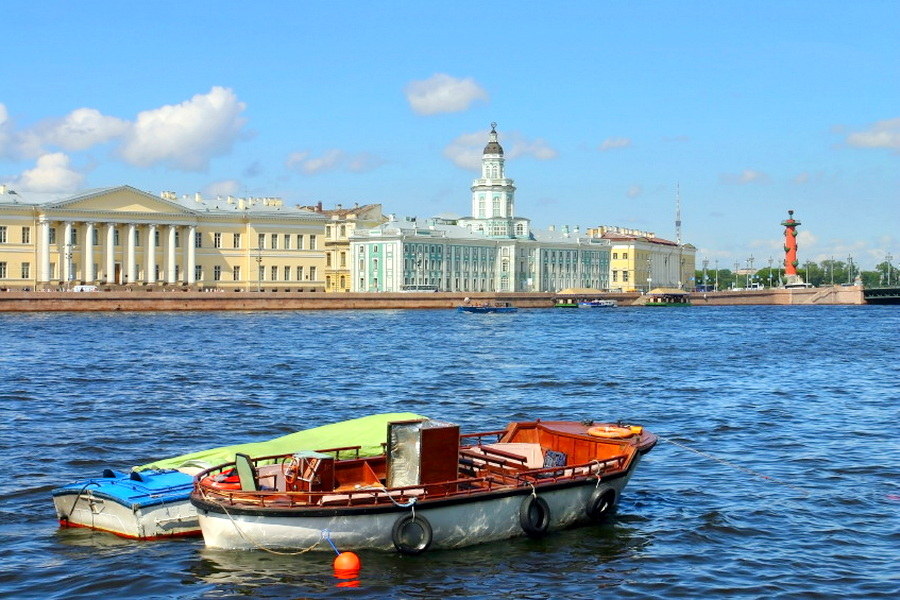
(100, 506)
(453, 523)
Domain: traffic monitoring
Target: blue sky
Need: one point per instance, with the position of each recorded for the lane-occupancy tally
(752, 108)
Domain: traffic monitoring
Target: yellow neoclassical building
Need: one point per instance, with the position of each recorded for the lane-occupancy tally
(640, 261)
(121, 236)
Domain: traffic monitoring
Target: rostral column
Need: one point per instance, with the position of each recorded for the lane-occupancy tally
(790, 250)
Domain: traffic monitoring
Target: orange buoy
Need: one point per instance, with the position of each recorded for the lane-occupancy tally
(611, 431)
(347, 562)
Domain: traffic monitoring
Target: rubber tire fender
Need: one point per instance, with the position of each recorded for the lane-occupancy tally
(600, 504)
(402, 528)
(534, 516)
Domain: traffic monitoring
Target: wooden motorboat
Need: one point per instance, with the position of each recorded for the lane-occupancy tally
(431, 488)
(152, 501)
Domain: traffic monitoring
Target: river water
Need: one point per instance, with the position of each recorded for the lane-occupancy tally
(796, 493)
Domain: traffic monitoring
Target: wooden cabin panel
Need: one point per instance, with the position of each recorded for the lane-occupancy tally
(440, 454)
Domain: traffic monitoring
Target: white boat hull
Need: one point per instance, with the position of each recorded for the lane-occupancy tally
(453, 525)
(84, 509)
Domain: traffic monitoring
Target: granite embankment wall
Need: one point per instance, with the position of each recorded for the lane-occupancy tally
(177, 300)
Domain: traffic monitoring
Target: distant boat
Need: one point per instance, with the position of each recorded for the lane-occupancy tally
(598, 304)
(153, 500)
(668, 297)
(565, 304)
(431, 488)
(487, 307)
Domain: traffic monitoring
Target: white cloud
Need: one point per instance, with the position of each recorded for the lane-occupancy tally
(332, 160)
(227, 187)
(467, 149)
(883, 134)
(442, 93)
(186, 136)
(5, 131)
(745, 177)
(614, 143)
(83, 128)
(52, 174)
(634, 191)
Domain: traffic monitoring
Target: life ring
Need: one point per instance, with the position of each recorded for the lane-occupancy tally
(412, 534)
(611, 431)
(534, 516)
(227, 480)
(600, 503)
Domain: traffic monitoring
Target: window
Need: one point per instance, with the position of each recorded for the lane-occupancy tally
(52, 235)
(177, 240)
(2, 234)
(343, 282)
(312, 243)
(615, 256)
(625, 276)
(343, 235)
(274, 241)
(156, 238)
(312, 273)
(274, 273)
(299, 273)
(198, 239)
(217, 273)
(615, 275)
(26, 235)
(198, 273)
(137, 237)
(177, 272)
(73, 238)
(2, 270)
(262, 274)
(237, 241)
(96, 239)
(217, 240)
(116, 236)
(343, 260)
(328, 259)
(287, 273)
(236, 273)
(300, 241)
(261, 241)
(625, 256)
(287, 241)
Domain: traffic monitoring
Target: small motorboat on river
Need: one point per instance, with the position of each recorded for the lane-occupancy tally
(431, 488)
(152, 501)
(487, 307)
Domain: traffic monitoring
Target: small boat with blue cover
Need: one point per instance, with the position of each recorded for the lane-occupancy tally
(152, 501)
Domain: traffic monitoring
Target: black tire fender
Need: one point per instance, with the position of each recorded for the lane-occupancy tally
(534, 516)
(600, 504)
(412, 534)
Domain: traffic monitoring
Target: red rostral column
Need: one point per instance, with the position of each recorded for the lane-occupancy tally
(790, 245)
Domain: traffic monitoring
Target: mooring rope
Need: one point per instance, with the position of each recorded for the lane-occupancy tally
(259, 546)
(735, 466)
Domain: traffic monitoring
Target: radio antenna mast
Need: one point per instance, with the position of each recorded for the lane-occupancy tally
(678, 213)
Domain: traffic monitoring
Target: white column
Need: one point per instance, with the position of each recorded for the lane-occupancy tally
(129, 255)
(170, 256)
(191, 255)
(88, 253)
(110, 251)
(44, 240)
(66, 266)
(151, 253)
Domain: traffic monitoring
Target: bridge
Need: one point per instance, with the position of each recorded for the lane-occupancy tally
(884, 295)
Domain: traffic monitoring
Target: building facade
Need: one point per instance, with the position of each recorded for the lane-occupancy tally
(121, 236)
(640, 261)
(342, 224)
(492, 250)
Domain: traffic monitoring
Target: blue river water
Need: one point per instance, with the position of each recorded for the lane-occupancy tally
(777, 476)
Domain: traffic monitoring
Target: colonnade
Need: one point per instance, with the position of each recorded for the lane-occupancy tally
(129, 271)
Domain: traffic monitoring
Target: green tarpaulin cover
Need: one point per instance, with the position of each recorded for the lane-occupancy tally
(367, 432)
